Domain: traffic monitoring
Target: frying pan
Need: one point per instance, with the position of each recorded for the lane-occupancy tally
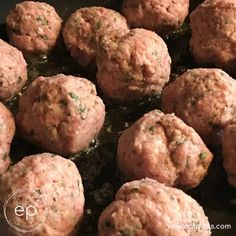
(97, 165)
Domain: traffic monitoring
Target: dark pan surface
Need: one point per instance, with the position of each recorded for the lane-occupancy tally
(97, 165)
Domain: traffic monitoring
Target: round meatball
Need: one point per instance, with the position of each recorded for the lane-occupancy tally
(213, 26)
(50, 184)
(33, 27)
(84, 27)
(133, 65)
(159, 15)
(7, 131)
(205, 99)
(229, 152)
(61, 113)
(13, 71)
(146, 207)
(164, 148)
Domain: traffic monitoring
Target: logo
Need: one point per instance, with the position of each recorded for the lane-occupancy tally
(25, 210)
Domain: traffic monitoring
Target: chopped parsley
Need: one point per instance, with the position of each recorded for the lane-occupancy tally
(74, 96)
(99, 24)
(38, 191)
(202, 156)
(42, 19)
(5, 156)
(63, 103)
(125, 232)
(19, 79)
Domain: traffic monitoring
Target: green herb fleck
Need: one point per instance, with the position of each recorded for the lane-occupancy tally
(45, 37)
(180, 141)
(99, 24)
(63, 103)
(134, 190)
(202, 156)
(155, 53)
(74, 96)
(81, 109)
(53, 155)
(38, 191)
(125, 232)
(151, 129)
(19, 79)
(108, 224)
(187, 165)
(42, 19)
(5, 156)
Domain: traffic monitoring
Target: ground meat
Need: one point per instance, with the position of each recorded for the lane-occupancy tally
(33, 26)
(159, 15)
(146, 207)
(56, 186)
(61, 113)
(84, 27)
(133, 65)
(229, 151)
(13, 71)
(164, 148)
(7, 131)
(205, 99)
(213, 26)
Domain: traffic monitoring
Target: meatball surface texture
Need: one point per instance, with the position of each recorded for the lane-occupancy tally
(147, 207)
(213, 26)
(205, 99)
(164, 148)
(33, 27)
(132, 66)
(61, 114)
(158, 15)
(13, 71)
(7, 132)
(83, 28)
(229, 152)
(52, 185)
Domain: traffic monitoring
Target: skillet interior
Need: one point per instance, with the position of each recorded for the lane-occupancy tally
(97, 165)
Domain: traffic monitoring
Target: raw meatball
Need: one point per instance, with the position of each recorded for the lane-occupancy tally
(132, 66)
(164, 148)
(159, 15)
(7, 131)
(13, 71)
(146, 207)
(84, 27)
(61, 113)
(229, 152)
(213, 26)
(33, 26)
(53, 186)
(205, 99)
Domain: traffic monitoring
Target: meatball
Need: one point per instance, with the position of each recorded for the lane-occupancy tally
(61, 113)
(7, 131)
(205, 99)
(146, 207)
(84, 27)
(13, 71)
(229, 151)
(33, 27)
(213, 33)
(159, 15)
(53, 186)
(164, 148)
(132, 66)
